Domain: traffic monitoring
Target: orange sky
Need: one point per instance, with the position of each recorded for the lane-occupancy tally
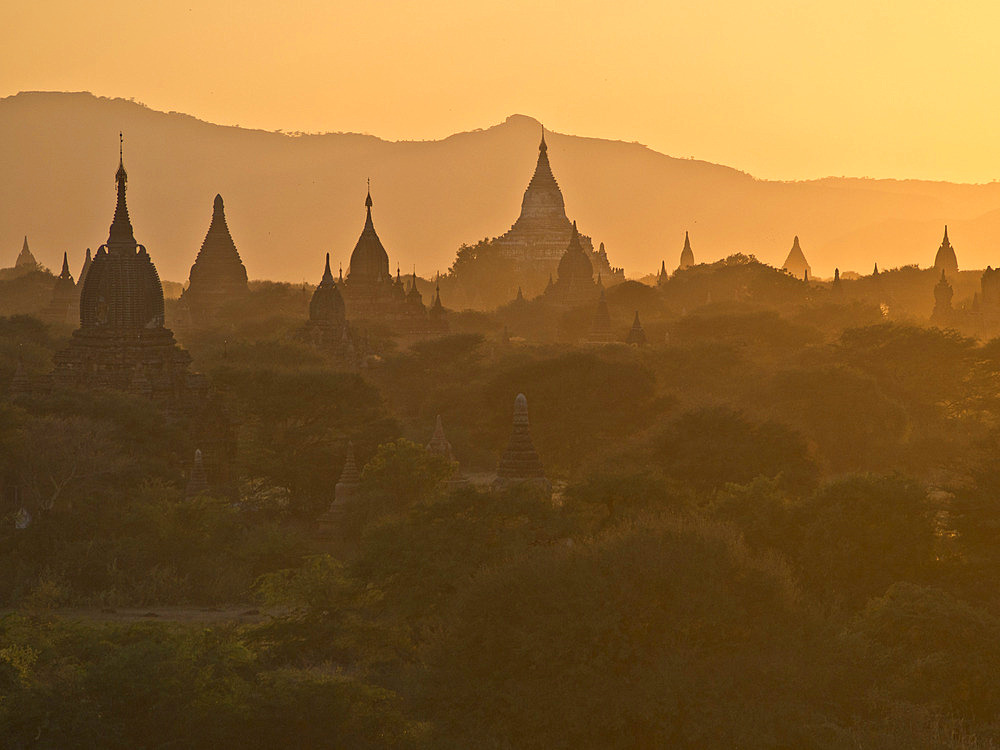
(783, 89)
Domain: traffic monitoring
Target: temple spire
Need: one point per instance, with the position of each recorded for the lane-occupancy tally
(65, 274)
(120, 236)
(327, 275)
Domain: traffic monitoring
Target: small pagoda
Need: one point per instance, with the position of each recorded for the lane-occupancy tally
(519, 463)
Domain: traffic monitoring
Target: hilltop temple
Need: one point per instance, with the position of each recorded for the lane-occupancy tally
(25, 260)
(371, 294)
(796, 263)
(946, 260)
(218, 274)
(539, 236)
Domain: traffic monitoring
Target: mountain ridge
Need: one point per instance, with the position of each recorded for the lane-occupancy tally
(291, 197)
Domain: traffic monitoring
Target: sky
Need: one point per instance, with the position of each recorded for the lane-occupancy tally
(783, 89)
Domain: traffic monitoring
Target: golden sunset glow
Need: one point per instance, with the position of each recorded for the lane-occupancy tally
(781, 89)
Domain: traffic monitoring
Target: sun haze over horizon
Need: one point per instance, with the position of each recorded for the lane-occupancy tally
(782, 90)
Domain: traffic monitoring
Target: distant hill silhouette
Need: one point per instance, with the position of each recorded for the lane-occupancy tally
(291, 198)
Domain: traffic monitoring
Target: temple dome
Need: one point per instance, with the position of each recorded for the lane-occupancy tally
(369, 261)
(946, 260)
(122, 288)
(574, 263)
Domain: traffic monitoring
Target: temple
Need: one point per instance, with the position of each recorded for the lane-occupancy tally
(796, 263)
(439, 443)
(636, 335)
(574, 285)
(327, 326)
(350, 478)
(218, 274)
(84, 270)
(943, 294)
(25, 260)
(946, 260)
(122, 344)
(519, 463)
(371, 294)
(538, 238)
(65, 295)
(687, 254)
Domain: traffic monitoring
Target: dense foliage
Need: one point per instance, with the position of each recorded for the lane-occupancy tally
(775, 527)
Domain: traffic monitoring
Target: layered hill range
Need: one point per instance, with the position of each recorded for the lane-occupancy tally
(290, 198)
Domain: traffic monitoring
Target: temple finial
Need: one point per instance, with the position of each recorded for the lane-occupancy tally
(121, 148)
(542, 146)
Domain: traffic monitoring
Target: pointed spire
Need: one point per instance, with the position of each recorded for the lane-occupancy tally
(120, 236)
(65, 274)
(945, 242)
(439, 443)
(687, 254)
(86, 268)
(519, 462)
(327, 275)
(25, 259)
(636, 335)
(875, 272)
(542, 146)
(520, 294)
(341, 272)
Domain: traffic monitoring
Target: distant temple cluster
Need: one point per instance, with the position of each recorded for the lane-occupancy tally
(121, 341)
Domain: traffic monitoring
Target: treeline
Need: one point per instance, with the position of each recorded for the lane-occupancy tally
(772, 528)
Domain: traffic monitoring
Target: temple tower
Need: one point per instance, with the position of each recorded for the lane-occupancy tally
(84, 270)
(539, 236)
(327, 324)
(25, 260)
(439, 443)
(121, 319)
(574, 285)
(946, 260)
(687, 254)
(437, 316)
(63, 307)
(943, 294)
(218, 274)
(350, 479)
(662, 275)
(636, 334)
(519, 463)
(796, 263)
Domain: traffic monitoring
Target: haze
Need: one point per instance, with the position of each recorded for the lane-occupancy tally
(783, 90)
